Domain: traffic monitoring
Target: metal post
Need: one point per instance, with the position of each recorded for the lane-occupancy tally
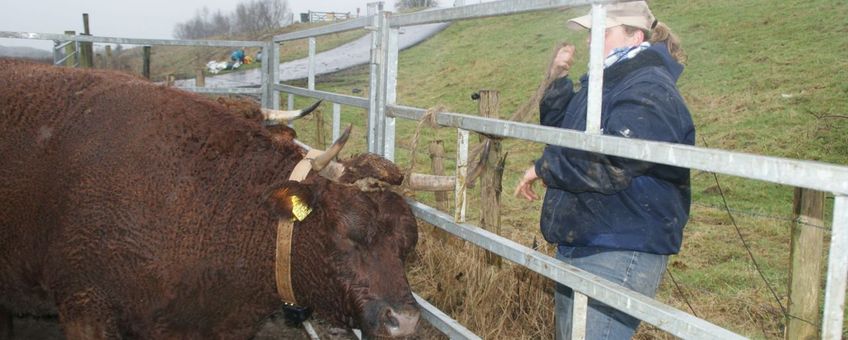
(290, 106)
(596, 69)
(837, 271)
(579, 310)
(266, 76)
(373, 9)
(580, 302)
(311, 68)
(274, 67)
(337, 120)
(56, 55)
(70, 51)
(391, 66)
(460, 191)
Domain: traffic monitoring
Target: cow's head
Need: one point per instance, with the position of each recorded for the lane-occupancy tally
(348, 252)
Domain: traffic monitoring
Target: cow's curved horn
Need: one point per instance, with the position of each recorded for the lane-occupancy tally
(424, 182)
(324, 159)
(289, 115)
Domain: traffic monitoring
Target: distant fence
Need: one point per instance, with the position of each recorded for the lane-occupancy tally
(324, 16)
(383, 110)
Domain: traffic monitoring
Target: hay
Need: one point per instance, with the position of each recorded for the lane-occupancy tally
(510, 302)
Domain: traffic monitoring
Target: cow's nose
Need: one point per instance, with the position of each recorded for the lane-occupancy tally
(400, 323)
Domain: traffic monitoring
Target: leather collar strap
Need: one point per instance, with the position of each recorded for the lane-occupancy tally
(285, 228)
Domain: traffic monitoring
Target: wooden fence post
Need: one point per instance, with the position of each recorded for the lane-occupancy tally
(107, 59)
(200, 79)
(319, 128)
(86, 48)
(69, 50)
(145, 67)
(806, 264)
(437, 165)
(490, 179)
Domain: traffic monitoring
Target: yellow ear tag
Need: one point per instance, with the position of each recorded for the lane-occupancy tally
(299, 209)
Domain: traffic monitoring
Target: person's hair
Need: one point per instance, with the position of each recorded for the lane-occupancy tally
(661, 33)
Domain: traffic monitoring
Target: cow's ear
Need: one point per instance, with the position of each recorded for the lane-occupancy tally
(291, 200)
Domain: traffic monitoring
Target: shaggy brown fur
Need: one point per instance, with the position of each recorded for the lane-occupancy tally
(135, 210)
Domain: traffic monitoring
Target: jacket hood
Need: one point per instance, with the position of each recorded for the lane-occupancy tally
(674, 68)
(656, 55)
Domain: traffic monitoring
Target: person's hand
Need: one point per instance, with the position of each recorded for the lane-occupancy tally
(525, 186)
(562, 62)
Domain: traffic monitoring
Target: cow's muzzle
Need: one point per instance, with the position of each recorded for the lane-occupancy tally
(385, 321)
(398, 324)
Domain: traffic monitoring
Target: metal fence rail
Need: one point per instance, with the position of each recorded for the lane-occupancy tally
(349, 25)
(130, 41)
(224, 90)
(328, 96)
(807, 174)
(483, 10)
(443, 322)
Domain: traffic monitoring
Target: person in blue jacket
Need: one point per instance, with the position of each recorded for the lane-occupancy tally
(238, 56)
(615, 217)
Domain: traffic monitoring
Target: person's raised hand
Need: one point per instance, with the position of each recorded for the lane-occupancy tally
(525, 185)
(562, 61)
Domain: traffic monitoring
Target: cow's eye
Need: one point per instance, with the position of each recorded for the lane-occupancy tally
(358, 235)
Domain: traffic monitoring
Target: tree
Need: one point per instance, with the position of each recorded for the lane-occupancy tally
(407, 4)
(256, 16)
(251, 17)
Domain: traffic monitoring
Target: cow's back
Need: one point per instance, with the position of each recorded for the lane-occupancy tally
(37, 112)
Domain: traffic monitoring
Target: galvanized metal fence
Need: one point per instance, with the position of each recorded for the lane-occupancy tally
(383, 111)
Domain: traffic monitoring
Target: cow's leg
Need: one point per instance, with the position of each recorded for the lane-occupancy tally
(6, 319)
(87, 315)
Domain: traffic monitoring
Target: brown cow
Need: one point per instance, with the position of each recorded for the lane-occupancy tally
(135, 210)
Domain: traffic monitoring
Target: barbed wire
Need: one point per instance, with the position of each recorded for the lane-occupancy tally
(798, 221)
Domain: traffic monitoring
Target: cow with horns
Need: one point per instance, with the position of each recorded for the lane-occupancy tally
(135, 210)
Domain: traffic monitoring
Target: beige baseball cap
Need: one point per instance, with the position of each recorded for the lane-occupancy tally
(633, 13)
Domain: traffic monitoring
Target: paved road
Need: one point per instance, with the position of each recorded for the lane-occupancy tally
(354, 53)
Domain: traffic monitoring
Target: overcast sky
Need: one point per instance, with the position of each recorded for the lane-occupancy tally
(152, 19)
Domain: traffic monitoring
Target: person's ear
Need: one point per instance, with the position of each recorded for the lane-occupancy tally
(639, 37)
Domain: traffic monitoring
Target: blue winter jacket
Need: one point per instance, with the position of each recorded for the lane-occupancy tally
(614, 202)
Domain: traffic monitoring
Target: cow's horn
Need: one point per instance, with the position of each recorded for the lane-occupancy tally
(424, 182)
(320, 162)
(279, 115)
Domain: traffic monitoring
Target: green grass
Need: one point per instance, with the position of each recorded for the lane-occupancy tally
(765, 77)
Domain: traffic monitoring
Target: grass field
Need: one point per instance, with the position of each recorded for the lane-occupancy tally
(764, 76)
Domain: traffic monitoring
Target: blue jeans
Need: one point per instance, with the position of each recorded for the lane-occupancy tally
(638, 271)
